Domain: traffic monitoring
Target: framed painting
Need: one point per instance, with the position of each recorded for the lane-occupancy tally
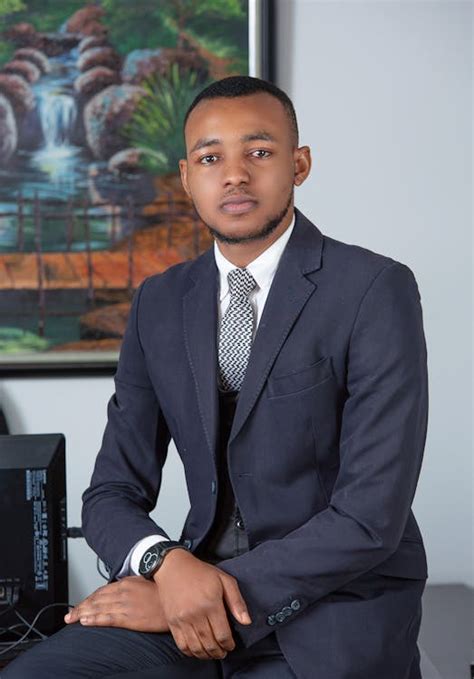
(92, 99)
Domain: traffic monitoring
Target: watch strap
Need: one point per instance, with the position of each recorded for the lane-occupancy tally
(153, 558)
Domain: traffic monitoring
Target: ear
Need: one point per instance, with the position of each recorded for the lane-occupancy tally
(302, 164)
(183, 169)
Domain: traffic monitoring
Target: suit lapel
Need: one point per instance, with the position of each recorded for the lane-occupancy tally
(200, 335)
(289, 292)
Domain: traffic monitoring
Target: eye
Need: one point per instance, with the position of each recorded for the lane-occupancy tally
(207, 160)
(261, 153)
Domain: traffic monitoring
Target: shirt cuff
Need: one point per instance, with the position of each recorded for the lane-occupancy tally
(132, 560)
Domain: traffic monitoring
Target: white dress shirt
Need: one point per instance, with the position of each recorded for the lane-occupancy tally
(263, 269)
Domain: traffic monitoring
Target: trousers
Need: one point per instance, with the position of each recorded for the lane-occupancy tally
(77, 652)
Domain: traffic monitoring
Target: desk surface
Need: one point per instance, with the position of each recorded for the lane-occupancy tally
(446, 635)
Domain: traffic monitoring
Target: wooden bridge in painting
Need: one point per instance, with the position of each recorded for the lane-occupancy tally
(177, 234)
(100, 269)
(121, 266)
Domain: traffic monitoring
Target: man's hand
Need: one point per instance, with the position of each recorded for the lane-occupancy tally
(132, 602)
(192, 594)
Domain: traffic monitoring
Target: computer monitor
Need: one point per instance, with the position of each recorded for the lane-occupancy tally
(33, 529)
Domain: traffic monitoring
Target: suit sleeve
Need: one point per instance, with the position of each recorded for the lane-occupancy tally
(381, 445)
(128, 469)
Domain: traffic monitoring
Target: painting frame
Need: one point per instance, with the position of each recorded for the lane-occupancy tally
(261, 43)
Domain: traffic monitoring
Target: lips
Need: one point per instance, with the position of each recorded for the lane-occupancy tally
(238, 205)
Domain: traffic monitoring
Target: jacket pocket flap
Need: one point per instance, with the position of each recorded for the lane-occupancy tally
(300, 378)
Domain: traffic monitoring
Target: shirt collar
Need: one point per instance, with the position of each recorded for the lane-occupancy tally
(262, 268)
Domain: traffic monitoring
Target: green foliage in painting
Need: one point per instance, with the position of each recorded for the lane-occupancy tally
(138, 25)
(143, 23)
(11, 6)
(8, 8)
(6, 52)
(156, 127)
(217, 25)
(14, 340)
(44, 15)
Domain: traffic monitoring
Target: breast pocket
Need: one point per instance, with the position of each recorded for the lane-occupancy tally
(300, 379)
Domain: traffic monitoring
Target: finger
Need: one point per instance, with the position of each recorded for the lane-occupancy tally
(208, 640)
(71, 616)
(97, 606)
(108, 591)
(188, 641)
(235, 600)
(102, 619)
(221, 629)
(195, 644)
(180, 640)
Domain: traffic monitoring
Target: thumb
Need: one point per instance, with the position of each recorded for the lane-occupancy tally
(235, 601)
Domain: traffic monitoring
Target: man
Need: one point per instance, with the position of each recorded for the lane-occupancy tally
(290, 370)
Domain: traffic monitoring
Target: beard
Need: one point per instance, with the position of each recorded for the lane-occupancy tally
(260, 234)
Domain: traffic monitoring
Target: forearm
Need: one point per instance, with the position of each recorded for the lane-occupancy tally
(127, 473)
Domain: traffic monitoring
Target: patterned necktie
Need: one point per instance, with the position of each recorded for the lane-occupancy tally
(236, 330)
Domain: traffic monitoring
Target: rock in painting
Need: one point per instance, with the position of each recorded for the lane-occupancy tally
(126, 161)
(97, 79)
(105, 116)
(18, 92)
(87, 21)
(22, 34)
(34, 56)
(99, 56)
(54, 44)
(140, 64)
(26, 69)
(92, 41)
(8, 131)
(108, 321)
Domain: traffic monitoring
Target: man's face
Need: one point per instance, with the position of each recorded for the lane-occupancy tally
(241, 165)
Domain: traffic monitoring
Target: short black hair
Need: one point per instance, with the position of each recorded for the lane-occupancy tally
(244, 86)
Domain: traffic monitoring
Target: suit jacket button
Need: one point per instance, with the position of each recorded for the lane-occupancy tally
(295, 605)
(280, 616)
(213, 487)
(188, 543)
(286, 610)
(271, 620)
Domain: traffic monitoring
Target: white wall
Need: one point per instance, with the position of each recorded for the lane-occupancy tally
(382, 92)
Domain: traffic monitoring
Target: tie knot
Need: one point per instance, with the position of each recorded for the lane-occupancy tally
(241, 282)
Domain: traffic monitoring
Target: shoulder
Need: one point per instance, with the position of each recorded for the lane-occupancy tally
(172, 283)
(355, 265)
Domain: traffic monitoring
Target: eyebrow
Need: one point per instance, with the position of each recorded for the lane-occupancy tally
(260, 135)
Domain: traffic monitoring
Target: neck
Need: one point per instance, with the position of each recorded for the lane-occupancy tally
(242, 254)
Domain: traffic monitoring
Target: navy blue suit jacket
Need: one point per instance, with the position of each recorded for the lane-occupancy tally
(326, 445)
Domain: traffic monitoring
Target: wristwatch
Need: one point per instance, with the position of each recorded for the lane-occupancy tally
(154, 555)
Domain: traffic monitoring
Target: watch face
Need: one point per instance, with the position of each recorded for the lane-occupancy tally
(149, 561)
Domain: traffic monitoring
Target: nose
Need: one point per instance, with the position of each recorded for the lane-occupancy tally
(235, 172)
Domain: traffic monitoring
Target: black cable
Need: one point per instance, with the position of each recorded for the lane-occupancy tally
(25, 622)
(74, 532)
(30, 627)
(10, 629)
